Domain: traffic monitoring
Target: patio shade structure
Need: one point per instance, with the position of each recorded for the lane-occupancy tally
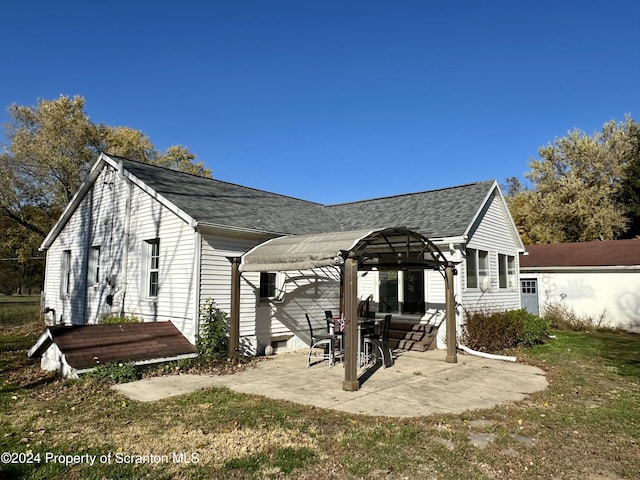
(380, 249)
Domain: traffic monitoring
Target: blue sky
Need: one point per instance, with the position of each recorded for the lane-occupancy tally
(333, 101)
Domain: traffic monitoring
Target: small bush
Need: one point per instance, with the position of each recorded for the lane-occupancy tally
(534, 329)
(115, 372)
(492, 332)
(115, 319)
(213, 339)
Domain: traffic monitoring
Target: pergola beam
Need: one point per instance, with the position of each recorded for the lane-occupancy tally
(234, 327)
(450, 315)
(350, 279)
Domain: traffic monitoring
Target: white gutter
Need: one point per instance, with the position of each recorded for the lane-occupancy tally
(457, 240)
(217, 226)
(197, 273)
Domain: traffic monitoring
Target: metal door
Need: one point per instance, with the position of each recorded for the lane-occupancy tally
(529, 295)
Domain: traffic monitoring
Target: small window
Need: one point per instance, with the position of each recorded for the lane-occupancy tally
(472, 268)
(529, 286)
(267, 285)
(153, 267)
(65, 280)
(94, 265)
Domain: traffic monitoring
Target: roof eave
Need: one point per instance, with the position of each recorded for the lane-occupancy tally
(202, 226)
(74, 203)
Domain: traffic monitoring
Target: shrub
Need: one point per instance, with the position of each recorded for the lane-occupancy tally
(491, 332)
(562, 317)
(114, 319)
(213, 339)
(115, 372)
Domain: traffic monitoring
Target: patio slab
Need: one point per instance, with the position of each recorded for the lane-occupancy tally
(419, 383)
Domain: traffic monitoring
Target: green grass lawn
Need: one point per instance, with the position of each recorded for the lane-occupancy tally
(585, 425)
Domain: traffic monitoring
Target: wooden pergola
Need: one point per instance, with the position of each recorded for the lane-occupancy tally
(395, 248)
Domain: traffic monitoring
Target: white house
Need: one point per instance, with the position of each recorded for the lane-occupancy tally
(147, 241)
(598, 280)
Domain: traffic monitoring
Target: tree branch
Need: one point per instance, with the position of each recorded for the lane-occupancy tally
(29, 226)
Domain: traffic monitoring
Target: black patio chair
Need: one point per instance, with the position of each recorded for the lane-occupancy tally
(380, 342)
(336, 329)
(326, 341)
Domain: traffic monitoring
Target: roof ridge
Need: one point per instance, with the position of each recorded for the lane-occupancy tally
(411, 193)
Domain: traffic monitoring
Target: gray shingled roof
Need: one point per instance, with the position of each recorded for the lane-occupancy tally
(222, 203)
(445, 212)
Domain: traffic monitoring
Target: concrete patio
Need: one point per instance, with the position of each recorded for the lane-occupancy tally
(419, 383)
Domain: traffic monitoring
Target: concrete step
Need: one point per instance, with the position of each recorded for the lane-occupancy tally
(412, 336)
(412, 345)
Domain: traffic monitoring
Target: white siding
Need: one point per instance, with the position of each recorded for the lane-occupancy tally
(262, 322)
(99, 221)
(215, 281)
(493, 233)
(311, 292)
(177, 280)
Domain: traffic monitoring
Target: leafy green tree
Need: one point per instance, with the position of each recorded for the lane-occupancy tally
(51, 149)
(630, 188)
(576, 187)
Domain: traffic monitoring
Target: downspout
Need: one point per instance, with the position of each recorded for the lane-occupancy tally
(127, 235)
(492, 356)
(196, 271)
(87, 250)
(234, 320)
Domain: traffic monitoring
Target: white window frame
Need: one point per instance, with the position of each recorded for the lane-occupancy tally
(94, 265)
(65, 274)
(506, 271)
(151, 273)
(478, 269)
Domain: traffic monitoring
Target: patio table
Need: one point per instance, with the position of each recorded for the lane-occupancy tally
(364, 326)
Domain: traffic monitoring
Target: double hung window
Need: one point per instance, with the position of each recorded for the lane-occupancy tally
(152, 274)
(65, 274)
(506, 270)
(477, 268)
(94, 265)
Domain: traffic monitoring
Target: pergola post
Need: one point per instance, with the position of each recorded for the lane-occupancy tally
(234, 327)
(450, 315)
(350, 279)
